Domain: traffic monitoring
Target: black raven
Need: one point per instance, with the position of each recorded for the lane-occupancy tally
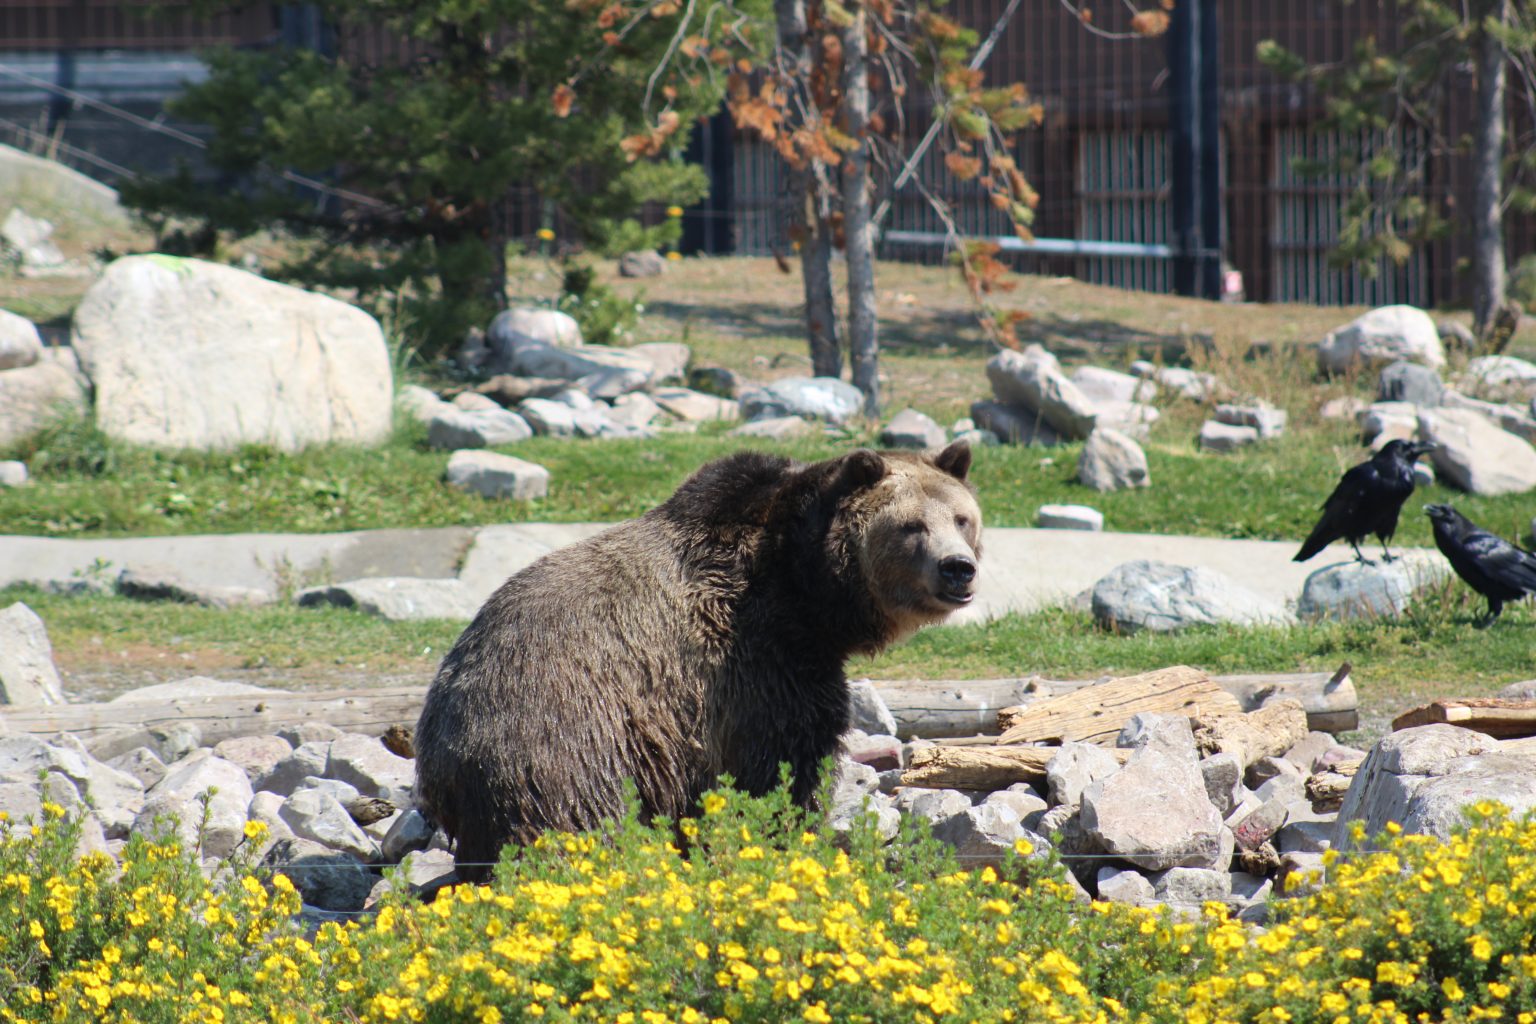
(1491, 565)
(1367, 501)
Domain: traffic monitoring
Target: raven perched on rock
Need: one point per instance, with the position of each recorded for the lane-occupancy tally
(1367, 501)
(1490, 565)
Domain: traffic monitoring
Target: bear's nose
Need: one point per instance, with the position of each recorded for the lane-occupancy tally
(957, 569)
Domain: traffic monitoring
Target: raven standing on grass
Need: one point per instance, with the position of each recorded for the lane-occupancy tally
(1367, 501)
(1490, 565)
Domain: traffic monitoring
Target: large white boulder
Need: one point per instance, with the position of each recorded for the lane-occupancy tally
(1477, 455)
(1033, 380)
(188, 354)
(1382, 336)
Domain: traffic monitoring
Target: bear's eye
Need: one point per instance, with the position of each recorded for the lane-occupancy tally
(916, 526)
(962, 521)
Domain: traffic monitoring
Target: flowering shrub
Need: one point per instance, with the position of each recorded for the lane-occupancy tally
(751, 913)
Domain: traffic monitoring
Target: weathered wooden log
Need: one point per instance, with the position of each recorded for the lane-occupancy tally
(986, 768)
(1325, 790)
(1096, 714)
(112, 728)
(1330, 700)
(1498, 717)
(1268, 732)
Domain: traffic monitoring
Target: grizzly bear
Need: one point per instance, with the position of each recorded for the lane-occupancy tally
(707, 637)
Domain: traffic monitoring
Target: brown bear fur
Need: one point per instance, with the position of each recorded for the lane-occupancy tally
(706, 637)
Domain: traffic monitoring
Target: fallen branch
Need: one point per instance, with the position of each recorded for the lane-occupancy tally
(1498, 717)
(1096, 714)
(984, 768)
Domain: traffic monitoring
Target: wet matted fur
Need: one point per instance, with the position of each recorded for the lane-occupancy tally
(706, 637)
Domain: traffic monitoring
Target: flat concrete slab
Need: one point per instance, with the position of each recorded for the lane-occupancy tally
(1022, 570)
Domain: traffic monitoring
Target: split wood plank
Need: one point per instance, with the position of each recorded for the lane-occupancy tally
(982, 768)
(1498, 717)
(1096, 714)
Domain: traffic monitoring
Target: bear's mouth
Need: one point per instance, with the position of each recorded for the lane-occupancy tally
(959, 598)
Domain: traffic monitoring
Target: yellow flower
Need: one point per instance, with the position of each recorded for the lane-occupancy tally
(1023, 847)
(674, 211)
(1481, 947)
(817, 1013)
(674, 255)
(547, 235)
(714, 803)
(255, 829)
(1452, 990)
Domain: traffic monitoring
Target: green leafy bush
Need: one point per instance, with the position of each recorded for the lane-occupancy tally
(753, 912)
(604, 316)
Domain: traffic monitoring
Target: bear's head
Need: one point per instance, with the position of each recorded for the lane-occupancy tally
(915, 528)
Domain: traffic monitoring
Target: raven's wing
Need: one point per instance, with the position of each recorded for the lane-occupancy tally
(1347, 512)
(1500, 560)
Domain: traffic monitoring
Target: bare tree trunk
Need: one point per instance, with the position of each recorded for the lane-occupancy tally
(810, 209)
(1488, 271)
(858, 228)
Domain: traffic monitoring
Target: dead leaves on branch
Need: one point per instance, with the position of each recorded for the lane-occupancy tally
(651, 143)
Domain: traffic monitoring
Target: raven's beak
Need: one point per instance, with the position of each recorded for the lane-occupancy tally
(1423, 448)
(1436, 511)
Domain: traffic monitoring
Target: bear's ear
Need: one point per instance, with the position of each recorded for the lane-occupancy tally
(860, 468)
(955, 460)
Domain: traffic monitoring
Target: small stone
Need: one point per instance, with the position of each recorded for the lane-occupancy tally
(257, 755)
(694, 406)
(142, 763)
(868, 710)
(912, 429)
(1074, 768)
(1069, 517)
(27, 674)
(1263, 417)
(1192, 888)
(937, 805)
(496, 476)
(1403, 381)
(13, 473)
(411, 831)
(1125, 885)
(642, 263)
(1223, 437)
(1166, 733)
(1111, 461)
(453, 429)
(636, 409)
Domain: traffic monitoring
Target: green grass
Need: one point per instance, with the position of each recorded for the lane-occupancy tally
(86, 485)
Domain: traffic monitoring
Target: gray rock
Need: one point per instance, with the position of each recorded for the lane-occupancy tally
(695, 406)
(779, 428)
(452, 429)
(473, 401)
(13, 473)
(1164, 598)
(977, 438)
(20, 344)
(822, 398)
(343, 793)
(1133, 419)
(1255, 828)
(1069, 517)
(33, 396)
(867, 709)
(1411, 383)
(419, 403)
(1387, 783)
(365, 763)
(1223, 437)
(1382, 336)
(1353, 590)
(1223, 775)
(856, 795)
(1310, 754)
(308, 760)
(1192, 888)
(300, 733)
(152, 582)
(1476, 455)
(513, 328)
(1015, 425)
(319, 816)
(175, 740)
(497, 476)
(642, 263)
(549, 418)
(180, 795)
(1456, 336)
(1021, 800)
(1263, 417)
(184, 353)
(1125, 885)
(410, 832)
(636, 409)
(599, 370)
(1165, 733)
(115, 796)
(1102, 386)
(1381, 422)
(1304, 837)
(324, 878)
(1498, 379)
(937, 805)
(1074, 768)
(27, 675)
(142, 763)
(30, 239)
(982, 836)
(1267, 769)
(1111, 461)
(267, 809)
(912, 429)
(256, 755)
(1190, 384)
(669, 359)
(1033, 380)
(396, 598)
(421, 872)
(1154, 813)
(21, 802)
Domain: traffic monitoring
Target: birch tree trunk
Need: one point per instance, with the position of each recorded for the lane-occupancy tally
(1488, 270)
(858, 228)
(810, 207)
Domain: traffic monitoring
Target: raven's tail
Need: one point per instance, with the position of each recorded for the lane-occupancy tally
(1313, 544)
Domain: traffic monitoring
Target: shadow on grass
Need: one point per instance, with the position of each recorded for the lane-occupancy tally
(912, 332)
(1090, 339)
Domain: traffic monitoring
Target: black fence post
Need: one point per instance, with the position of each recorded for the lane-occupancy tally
(1194, 129)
